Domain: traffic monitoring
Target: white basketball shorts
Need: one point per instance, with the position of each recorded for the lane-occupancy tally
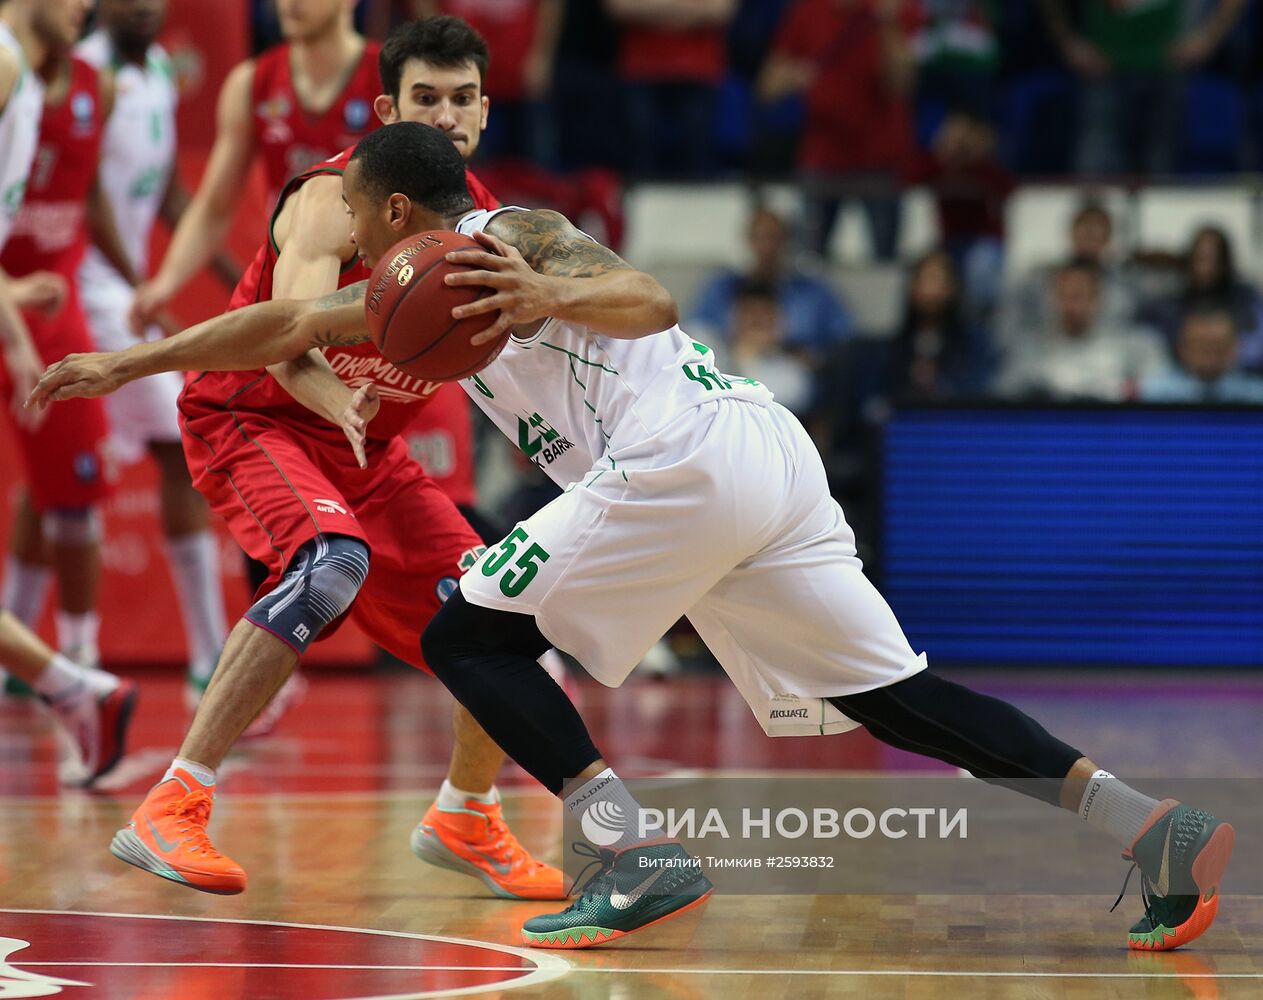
(141, 411)
(723, 516)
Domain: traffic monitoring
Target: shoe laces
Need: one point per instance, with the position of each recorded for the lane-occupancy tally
(602, 881)
(502, 844)
(192, 813)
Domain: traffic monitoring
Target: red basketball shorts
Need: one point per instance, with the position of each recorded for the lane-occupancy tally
(278, 481)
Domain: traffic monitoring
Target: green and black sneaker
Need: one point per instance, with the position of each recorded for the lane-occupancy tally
(631, 890)
(1182, 854)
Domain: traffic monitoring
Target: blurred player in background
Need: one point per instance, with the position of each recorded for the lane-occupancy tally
(294, 105)
(57, 525)
(62, 453)
(138, 181)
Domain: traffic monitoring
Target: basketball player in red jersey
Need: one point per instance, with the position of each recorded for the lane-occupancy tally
(57, 518)
(295, 498)
(294, 105)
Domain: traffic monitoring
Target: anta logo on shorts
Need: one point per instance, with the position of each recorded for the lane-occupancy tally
(539, 442)
(328, 506)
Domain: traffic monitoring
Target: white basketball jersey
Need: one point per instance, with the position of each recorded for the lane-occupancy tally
(569, 396)
(137, 152)
(19, 134)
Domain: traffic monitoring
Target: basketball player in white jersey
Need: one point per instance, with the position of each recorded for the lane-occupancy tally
(687, 491)
(21, 105)
(92, 707)
(138, 179)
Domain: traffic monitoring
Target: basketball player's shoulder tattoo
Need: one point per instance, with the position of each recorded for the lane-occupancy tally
(552, 245)
(351, 295)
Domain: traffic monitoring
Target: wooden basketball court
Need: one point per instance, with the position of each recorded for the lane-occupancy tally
(338, 907)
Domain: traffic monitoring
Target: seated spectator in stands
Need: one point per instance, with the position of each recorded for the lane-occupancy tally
(1206, 349)
(812, 318)
(853, 62)
(934, 354)
(1028, 306)
(1210, 278)
(1077, 355)
(958, 56)
(1129, 58)
(522, 36)
(672, 58)
(757, 349)
(970, 188)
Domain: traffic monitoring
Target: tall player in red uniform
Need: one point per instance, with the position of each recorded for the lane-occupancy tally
(65, 464)
(295, 498)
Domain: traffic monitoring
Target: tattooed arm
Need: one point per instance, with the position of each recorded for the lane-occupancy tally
(541, 266)
(252, 337)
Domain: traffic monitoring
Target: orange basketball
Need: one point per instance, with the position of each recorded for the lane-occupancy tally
(408, 310)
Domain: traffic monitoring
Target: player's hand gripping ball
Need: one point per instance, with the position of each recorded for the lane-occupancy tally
(408, 310)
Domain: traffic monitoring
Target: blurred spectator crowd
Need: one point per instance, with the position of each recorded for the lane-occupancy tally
(855, 88)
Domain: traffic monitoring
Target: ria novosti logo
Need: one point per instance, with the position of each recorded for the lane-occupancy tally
(603, 823)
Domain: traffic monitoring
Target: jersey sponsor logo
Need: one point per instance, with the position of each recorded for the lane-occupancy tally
(274, 108)
(83, 111)
(300, 158)
(392, 384)
(328, 506)
(540, 442)
(356, 114)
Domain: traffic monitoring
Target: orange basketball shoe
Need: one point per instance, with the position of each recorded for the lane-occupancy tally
(475, 840)
(167, 836)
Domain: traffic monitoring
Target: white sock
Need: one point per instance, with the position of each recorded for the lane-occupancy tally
(1115, 808)
(65, 683)
(451, 797)
(76, 632)
(25, 590)
(203, 774)
(194, 562)
(604, 806)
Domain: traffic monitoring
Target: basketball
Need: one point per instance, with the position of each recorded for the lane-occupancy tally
(408, 310)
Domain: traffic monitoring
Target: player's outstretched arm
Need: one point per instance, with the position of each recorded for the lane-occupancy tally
(242, 340)
(542, 266)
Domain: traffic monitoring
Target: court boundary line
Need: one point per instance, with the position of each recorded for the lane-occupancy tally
(546, 965)
(609, 970)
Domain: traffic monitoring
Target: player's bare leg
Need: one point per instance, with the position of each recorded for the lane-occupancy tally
(69, 542)
(464, 828)
(92, 707)
(193, 558)
(252, 669)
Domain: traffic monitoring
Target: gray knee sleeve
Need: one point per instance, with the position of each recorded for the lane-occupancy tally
(319, 586)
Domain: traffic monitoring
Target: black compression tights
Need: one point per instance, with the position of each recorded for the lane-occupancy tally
(487, 659)
(987, 737)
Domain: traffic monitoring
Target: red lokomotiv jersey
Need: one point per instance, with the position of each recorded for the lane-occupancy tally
(401, 395)
(292, 140)
(49, 233)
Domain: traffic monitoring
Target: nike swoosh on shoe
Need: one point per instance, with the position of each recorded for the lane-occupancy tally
(621, 901)
(161, 841)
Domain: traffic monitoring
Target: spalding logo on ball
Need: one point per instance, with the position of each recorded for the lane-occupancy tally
(408, 310)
